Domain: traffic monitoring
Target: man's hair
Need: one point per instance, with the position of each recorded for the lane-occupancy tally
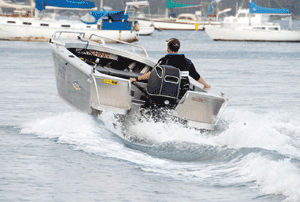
(173, 44)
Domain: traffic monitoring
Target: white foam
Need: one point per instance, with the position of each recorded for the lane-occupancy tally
(63, 126)
(271, 131)
(154, 132)
(272, 177)
(84, 133)
(159, 132)
(267, 131)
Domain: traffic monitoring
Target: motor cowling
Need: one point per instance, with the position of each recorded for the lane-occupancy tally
(164, 86)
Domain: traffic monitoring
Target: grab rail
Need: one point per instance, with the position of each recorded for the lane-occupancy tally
(144, 52)
(81, 34)
(96, 87)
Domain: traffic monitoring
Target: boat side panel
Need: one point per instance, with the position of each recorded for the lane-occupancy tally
(111, 91)
(73, 84)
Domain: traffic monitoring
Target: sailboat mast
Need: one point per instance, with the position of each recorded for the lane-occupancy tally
(249, 13)
(101, 4)
(32, 7)
(167, 10)
(290, 22)
(217, 10)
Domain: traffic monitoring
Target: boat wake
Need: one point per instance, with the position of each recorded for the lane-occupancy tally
(260, 151)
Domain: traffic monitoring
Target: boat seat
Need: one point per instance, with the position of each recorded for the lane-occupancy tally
(117, 73)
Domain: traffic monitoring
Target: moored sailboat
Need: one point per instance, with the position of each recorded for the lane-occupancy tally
(134, 9)
(253, 25)
(33, 22)
(184, 21)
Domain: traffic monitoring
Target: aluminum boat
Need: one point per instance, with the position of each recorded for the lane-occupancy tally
(93, 77)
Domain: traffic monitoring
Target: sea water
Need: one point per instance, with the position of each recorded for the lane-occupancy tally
(51, 152)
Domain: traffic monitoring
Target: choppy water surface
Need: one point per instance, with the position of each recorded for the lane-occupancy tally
(50, 152)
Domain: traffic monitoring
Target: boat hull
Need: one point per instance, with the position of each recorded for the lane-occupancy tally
(145, 31)
(171, 25)
(33, 31)
(72, 80)
(247, 34)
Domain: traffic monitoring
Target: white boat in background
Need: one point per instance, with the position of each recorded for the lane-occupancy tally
(184, 21)
(33, 22)
(253, 24)
(95, 77)
(145, 31)
(134, 9)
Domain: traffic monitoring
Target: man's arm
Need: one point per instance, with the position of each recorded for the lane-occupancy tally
(201, 80)
(147, 75)
(195, 75)
(142, 77)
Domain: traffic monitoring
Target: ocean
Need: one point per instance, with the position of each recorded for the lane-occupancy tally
(51, 152)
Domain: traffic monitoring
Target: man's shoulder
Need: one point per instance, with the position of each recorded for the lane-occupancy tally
(162, 59)
(176, 57)
(188, 60)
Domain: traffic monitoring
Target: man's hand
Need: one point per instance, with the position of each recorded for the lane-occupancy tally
(207, 86)
(133, 80)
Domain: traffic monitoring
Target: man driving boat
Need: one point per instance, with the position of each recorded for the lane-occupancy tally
(176, 60)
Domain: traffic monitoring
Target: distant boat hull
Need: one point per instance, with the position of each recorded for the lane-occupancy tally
(14, 29)
(248, 34)
(170, 25)
(176, 26)
(145, 31)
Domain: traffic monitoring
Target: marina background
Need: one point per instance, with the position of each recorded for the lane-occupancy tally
(50, 152)
(158, 6)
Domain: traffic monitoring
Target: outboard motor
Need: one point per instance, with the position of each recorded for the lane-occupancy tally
(164, 86)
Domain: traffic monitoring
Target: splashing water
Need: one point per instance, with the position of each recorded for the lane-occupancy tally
(260, 149)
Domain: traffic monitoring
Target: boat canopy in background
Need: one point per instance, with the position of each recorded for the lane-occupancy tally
(257, 9)
(171, 4)
(111, 20)
(93, 16)
(41, 4)
(111, 15)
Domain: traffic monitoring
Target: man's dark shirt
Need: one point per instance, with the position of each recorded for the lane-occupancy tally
(181, 62)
